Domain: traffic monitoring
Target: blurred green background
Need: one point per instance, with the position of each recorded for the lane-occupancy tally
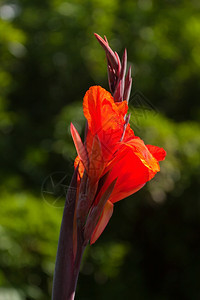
(48, 59)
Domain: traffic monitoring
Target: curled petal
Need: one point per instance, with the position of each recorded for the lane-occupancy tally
(134, 165)
(139, 149)
(157, 152)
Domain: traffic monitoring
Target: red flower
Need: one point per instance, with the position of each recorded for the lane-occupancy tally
(117, 163)
(111, 164)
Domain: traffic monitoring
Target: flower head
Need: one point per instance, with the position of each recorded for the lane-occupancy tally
(112, 163)
(117, 163)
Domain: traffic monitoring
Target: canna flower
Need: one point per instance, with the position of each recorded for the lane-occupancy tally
(111, 154)
(111, 164)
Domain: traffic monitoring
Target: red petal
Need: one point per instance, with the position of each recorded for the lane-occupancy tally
(123, 194)
(96, 211)
(134, 165)
(96, 161)
(103, 221)
(105, 119)
(80, 167)
(140, 149)
(80, 148)
(92, 106)
(157, 152)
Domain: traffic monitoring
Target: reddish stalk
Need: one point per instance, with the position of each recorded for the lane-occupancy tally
(67, 267)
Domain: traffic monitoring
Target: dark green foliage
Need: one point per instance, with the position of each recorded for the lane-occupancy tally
(49, 58)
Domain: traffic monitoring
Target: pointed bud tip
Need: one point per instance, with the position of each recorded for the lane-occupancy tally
(98, 37)
(71, 126)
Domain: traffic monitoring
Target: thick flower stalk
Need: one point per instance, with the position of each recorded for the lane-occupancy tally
(111, 164)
